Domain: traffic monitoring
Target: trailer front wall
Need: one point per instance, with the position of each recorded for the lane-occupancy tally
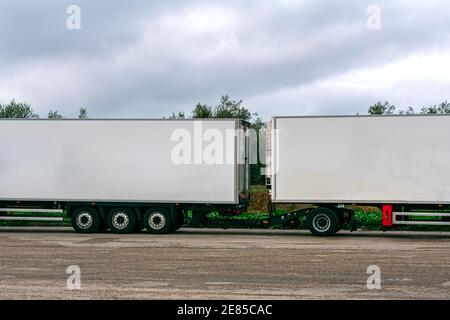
(361, 159)
(116, 160)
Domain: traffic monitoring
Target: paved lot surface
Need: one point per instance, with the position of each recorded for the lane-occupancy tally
(223, 264)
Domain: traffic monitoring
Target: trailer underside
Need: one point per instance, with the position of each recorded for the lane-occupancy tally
(321, 219)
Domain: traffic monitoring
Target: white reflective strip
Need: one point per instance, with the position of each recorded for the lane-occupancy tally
(31, 210)
(430, 223)
(32, 218)
(423, 214)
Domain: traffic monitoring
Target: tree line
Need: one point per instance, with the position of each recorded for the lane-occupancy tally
(227, 108)
(23, 110)
(385, 108)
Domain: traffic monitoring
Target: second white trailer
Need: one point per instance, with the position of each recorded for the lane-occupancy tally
(399, 163)
(361, 159)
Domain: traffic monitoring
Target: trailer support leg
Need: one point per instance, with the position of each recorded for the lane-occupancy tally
(271, 207)
(351, 221)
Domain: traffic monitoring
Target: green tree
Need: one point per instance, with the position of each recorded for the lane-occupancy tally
(227, 108)
(83, 113)
(381, 108)
(231, 109)
(178, 115)
(20, 110)
(202, 111)
(54, 115)
(407, 111)
(442, 108)
(387, 109)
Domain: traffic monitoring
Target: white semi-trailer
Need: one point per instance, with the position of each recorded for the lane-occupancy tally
(398, 163)
(125, 175)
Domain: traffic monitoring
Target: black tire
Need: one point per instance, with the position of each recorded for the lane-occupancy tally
(322, 222)
(179, 221)
(121, 220)
(85, 220)
(157, 221)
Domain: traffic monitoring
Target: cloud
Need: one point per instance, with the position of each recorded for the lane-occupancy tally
(401, 82)
(149, 58)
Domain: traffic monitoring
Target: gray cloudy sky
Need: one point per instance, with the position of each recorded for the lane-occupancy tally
(286, 57)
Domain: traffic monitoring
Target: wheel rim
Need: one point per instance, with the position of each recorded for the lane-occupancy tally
(321, 222)
(120, 220)
(85, 220)
(157, 220)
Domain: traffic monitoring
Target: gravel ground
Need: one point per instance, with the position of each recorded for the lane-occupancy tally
(223, 264)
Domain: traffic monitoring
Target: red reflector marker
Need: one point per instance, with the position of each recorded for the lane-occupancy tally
(387, 215)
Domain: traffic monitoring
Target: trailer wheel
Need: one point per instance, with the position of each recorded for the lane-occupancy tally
(157, 221)
(121, 220)
(322, 222)
(85, 220)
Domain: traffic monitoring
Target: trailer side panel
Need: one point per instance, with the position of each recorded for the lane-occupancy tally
(118, 160)
(361, 159)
